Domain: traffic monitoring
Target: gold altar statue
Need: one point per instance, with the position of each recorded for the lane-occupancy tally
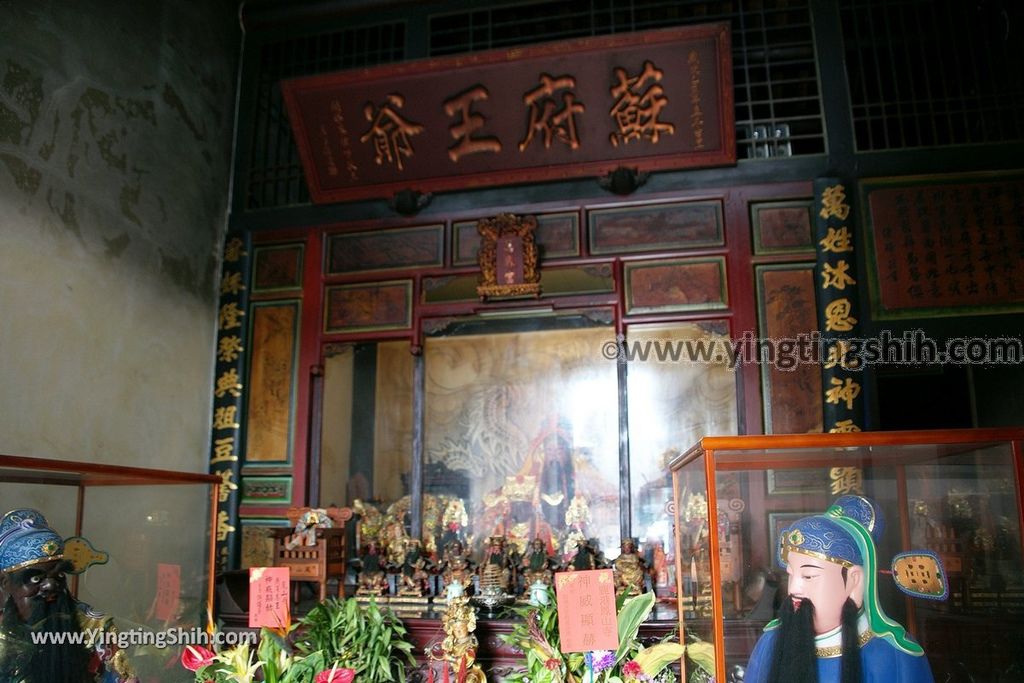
(495, 571)
(398, 521)
(454, 522)
(630, 570)
(395, 542)
(536, 500)
(456, 567)
(370, 522)
(578, 514)
(458, 649)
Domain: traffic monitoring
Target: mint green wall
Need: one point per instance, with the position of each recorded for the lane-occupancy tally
(115, 143)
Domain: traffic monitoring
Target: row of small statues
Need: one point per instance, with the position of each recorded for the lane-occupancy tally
(502, 570)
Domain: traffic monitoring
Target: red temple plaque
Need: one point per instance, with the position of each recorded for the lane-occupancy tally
(653, 101)
(944, 245)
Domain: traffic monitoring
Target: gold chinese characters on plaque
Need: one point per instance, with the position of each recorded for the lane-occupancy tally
(508, 257)
(653, 100)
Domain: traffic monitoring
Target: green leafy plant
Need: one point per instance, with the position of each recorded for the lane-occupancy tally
(365, 638)
(537, 637)
(335, 636)
(272, 661)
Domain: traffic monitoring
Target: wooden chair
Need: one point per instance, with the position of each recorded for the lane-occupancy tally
(314, 563)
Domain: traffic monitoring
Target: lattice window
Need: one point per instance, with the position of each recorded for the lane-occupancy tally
(274, 175)
(934, 72)
(777, 98)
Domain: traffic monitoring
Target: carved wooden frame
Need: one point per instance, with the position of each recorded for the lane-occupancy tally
(491, 230)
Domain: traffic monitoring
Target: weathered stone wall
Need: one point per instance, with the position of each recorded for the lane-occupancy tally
(115, 144)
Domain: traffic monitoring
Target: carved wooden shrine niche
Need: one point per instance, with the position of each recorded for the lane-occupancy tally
(508, 257)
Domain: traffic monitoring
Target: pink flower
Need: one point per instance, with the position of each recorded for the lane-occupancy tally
(333, 675)
(195, 657)
(632, 670)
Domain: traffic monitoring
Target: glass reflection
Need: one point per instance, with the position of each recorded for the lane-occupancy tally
(523, 428)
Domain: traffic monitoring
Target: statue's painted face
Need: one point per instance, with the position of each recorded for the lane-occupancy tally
(42, 581)
(822, 583)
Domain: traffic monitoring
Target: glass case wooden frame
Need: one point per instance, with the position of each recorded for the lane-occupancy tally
(893, 466)
(83, 476)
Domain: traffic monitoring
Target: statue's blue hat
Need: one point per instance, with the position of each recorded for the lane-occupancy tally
(26, 539)
(823, 537)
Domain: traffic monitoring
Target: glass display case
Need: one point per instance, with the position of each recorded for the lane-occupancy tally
(520, 423)
(148, 547)
(510, 423)
(953, 493)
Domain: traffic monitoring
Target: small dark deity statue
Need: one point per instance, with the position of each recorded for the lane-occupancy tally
(537, 565)
(372, 580)
(586, 556)
(414, 576)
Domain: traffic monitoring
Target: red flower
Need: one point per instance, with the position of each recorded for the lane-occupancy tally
(553, 664)
(335, 676)
(195, 657)
(632, 670)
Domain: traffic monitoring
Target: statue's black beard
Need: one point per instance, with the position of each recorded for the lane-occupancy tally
(46, 662)
(851, 669)
(795, 660)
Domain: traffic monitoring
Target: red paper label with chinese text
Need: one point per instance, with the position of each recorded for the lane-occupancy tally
(586, 611)
(269, 603)
(168, 591)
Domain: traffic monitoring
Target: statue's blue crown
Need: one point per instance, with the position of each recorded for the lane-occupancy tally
(822, 536)
(26, 539)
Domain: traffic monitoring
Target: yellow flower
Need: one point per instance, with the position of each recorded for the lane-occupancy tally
(240, 667)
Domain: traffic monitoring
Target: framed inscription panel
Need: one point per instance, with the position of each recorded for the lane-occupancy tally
(657, 100)
(945, 245)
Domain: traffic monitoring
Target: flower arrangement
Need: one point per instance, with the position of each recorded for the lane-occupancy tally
(335, 642)
(537, 637)
(273, 661)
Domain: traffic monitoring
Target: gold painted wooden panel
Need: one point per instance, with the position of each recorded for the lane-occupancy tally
(277, 267)
(782, 226)
(419, 247)
(786, 308)
(658, 227)
(273, 345)
(677, 285)
(359, 308)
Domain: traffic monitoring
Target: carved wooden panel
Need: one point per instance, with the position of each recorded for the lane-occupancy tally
(676, 285)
